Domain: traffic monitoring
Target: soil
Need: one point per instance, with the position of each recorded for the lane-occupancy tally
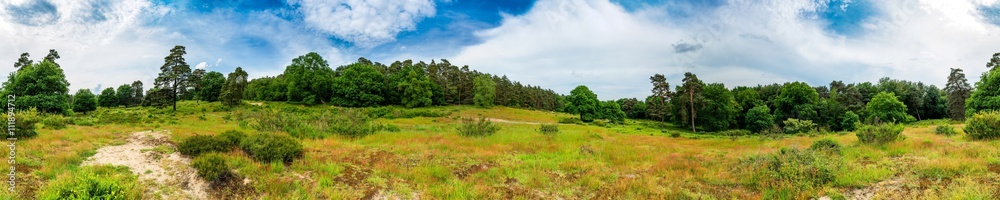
(165, 172)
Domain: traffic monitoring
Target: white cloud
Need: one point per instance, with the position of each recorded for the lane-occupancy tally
(201, 65)
(366, 23)
(560, 44)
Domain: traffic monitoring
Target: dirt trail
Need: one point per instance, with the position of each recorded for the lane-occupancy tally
(169, 175)
(512, 122)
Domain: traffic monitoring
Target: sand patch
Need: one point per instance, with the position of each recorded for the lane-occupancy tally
(146, 155)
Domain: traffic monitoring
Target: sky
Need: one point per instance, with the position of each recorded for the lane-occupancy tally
(611, 46)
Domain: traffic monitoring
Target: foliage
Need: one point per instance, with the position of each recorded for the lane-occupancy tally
(232, 90)
(946, 130)
(211, 86)
(416, 89)
(658, 107)
(308, 78)
(213, 168)
(734, 132)
(759, 118)
(885, 107)
(633, 108)
(201, 144)
(793, 126)
(549, 129)
(173, 78)
(84, 101)
(137, 97)
(272, 148)
(96, 182)
(390, 112)
(233, 137)
(983, 125)
(485, 91)
(790, 170)
(359, 85)
(688, 100)
(478, 128)
(826, 145)
(25, 123)
(55, 121)
(879, 134)
(108, 98)
(40, 85)
(720, 109)
(797, 100)
(584, 102)
(124, 95)
(611, 111)
(850, 121)
(352, 123)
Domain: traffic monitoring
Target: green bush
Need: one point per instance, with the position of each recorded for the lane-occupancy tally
(791, 171)
(55, 121)
(233, 137)
(879, 134)
(826, 146)
(793, 126)
(549, 129)
(213, 168)
(119, 116)
(272, 148)
(850, 121)
(395, 112)
(199, 144)
(390, 128)
(479, 128)
(983, 125)
(570, 120)
(93, 182)
(946, 130)
(759, 118)
(351, 123)
(25, 123)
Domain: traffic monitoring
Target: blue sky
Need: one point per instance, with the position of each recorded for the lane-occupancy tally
(613, 46)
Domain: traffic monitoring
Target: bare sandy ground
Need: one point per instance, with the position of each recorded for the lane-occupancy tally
(169, 175)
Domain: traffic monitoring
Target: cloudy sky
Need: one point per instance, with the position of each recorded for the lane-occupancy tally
(610, 46)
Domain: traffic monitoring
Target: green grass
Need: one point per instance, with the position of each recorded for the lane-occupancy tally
(428, 158)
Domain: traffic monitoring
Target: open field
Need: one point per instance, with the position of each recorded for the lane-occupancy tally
(427, 159)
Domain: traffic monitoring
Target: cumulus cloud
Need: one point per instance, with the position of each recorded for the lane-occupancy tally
(366, 23)
(560, 44)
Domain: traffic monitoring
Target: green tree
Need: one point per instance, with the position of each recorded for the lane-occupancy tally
(885, 107)
(108, 98)
(747, 98)
(958, 90)
(232, 91)
(584, 102)
(84, 101)
(124, 95)
(759, 118)
(994, 61)
(309, 79)
(23, 61)
(720, 110)
(174, 73)
(359, 85)
(611, 111)
(485, 91)
(797, 100)
(687, 106)
(659, 109)
(633, 108)
(849, 121)
(39, 85)
(211, 86)
(194, 85)
(137, 96)
(416, 90)
(986, 95)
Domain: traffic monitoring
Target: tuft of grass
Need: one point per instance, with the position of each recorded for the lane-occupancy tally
(97, 182)
(478, 128)
(879, 134)
(946, 130)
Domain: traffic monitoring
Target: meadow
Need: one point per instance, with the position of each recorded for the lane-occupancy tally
(418, 153)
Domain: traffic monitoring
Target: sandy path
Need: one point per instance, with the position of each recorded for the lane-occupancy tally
(511, 122)
(170, 174)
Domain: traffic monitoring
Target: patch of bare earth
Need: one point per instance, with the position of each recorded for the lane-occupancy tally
(510, 122)
(170, 174)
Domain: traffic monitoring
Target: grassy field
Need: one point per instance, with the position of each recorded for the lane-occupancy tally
(428, 159)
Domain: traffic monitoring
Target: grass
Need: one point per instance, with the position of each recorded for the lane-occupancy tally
(427, 158)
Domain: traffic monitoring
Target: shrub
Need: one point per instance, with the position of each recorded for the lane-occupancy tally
(759, 118)
(213, 168)
(793, 126)
(25, 123)
(117, 116)
(199, 144)
(945, 130)
(850, 121)
(93, 182)
(352, 123)
(479, 128)
(879, 134)
(790, 170)
(826, 146)
(233, 137)
(549, 129)
(271, 147)
(390, 128)
(55, 121)
(983, 125)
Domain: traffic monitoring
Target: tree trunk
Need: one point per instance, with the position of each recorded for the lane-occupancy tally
(691, 94)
